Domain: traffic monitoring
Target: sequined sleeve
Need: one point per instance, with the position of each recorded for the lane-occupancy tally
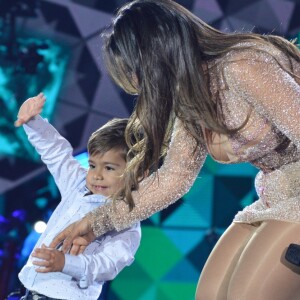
(181, 167)
(273, 93)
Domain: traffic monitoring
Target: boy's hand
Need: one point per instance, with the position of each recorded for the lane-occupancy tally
(51, 260)
(30, 108)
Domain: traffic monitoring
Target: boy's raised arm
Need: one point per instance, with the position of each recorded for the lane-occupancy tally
(30, 108)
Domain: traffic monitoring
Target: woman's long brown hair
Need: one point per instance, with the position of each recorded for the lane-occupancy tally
(157, 49)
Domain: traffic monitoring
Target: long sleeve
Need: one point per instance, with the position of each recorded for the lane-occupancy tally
(175, 177)
(56, 152)
(270, 90)
(105, 258)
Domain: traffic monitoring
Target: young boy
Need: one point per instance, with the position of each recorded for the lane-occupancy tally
(49, 273)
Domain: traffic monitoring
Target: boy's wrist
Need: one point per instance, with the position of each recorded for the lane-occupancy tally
(34, 121)
(73, 266)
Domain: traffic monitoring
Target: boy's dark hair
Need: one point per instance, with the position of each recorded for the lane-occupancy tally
(110, 136)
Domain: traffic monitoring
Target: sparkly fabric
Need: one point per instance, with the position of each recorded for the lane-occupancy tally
(246, 82)
(279, 196)
(159, 190)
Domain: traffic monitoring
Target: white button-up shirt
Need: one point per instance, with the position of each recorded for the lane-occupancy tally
(83, 275)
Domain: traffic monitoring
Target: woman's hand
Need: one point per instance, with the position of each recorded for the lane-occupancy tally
(75, 238)
(30, 108)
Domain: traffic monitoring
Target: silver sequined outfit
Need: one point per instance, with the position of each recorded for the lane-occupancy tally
(248, 82)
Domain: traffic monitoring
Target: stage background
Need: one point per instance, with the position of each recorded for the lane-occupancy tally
(54, 46)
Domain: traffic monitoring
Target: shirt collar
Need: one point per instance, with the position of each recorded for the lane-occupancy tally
(88, 196)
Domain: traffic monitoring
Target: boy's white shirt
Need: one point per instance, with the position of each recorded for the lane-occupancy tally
(104, 258)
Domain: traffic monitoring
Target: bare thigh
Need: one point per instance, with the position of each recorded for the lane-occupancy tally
(216, 274)
(261, 272)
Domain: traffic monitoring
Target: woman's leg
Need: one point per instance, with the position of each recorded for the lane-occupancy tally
(215, 276)
(262, 273)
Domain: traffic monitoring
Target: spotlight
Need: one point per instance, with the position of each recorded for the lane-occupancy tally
(40, 226)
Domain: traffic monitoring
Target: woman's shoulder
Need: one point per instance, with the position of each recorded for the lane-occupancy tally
(253, 51)
(249, 56)
(246, 54)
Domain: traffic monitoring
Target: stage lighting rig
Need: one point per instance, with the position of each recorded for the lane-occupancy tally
(25, 8)
(25, 59)
(29, 57)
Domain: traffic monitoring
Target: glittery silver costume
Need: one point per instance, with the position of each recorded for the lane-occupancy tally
(249, 82)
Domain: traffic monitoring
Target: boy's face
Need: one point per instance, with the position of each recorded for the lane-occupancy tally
(103, 177)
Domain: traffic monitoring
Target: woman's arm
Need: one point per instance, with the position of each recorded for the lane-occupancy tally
(174, 179)
(177, 174)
